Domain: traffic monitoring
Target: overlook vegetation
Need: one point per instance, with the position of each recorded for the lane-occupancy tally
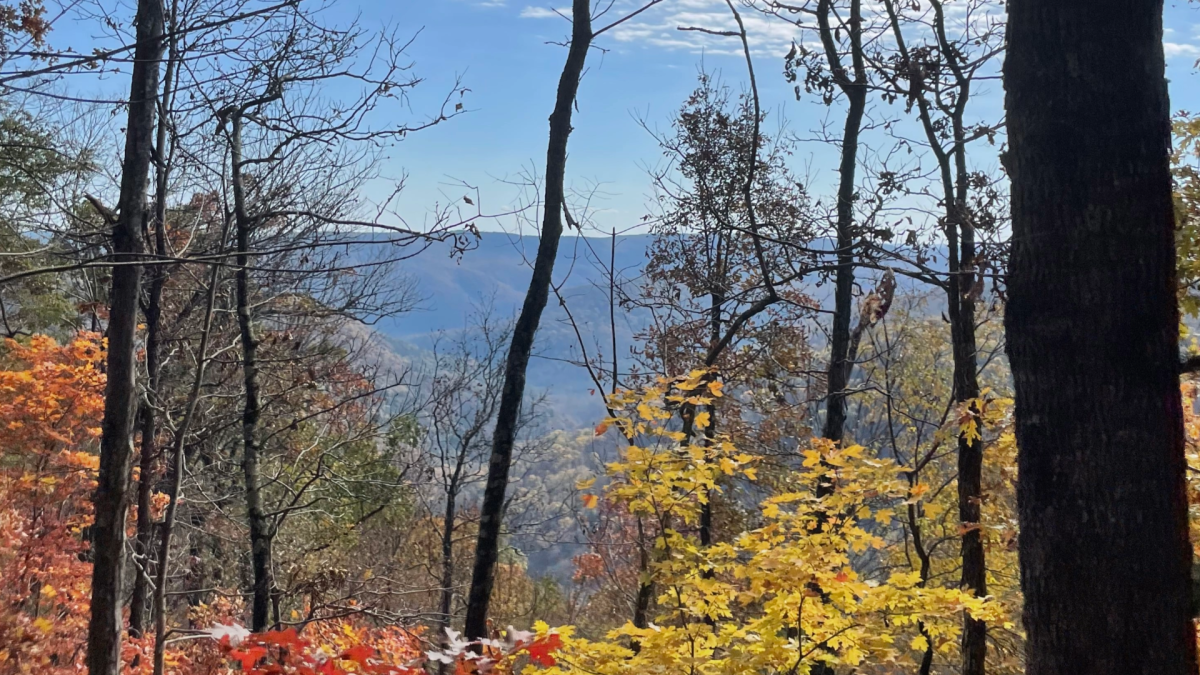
(935, 414)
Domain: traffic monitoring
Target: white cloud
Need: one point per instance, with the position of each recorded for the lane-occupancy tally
(543, 13)
(768, 35)
(1173, 49)
(660, 28)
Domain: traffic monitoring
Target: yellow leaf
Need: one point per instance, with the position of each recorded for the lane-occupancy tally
(585, 484)
(702, 420)
(914, 495)
(715, 387)
(727, 466)
(920, 644)
(590, 501)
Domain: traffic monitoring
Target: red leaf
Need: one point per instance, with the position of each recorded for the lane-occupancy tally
(358, 654)
(281, 638)
(539, 652)
(248, 657)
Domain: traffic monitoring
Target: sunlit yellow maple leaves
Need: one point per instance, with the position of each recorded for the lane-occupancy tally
(787, 593)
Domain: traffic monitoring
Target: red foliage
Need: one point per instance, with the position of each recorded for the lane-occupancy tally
(286, 651)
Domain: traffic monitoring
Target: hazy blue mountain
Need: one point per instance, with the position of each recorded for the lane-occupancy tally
(496, 275)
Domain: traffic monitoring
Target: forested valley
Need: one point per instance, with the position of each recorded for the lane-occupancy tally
(905, 386)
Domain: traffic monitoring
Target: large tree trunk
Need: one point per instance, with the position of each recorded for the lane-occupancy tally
(1093, 330)
(116, 443)
(260, 528)
(492, 509)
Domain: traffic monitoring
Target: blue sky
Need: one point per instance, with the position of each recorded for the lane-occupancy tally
(500, 50)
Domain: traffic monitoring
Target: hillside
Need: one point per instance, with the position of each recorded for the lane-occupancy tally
(495, 275)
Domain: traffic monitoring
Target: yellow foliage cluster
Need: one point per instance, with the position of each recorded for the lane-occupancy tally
(800, 587)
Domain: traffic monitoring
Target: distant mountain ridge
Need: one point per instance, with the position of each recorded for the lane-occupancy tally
(496, 274)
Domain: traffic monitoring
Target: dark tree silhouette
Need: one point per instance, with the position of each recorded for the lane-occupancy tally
(1093, 330)
(116, 442)
(492, 510)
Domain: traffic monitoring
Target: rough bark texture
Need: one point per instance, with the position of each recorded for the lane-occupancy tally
(260, 528)
(492, 509)
(1092, 336)
(116, 443)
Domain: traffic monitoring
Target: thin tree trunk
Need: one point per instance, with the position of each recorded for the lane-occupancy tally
(446, 601)
(175, 476)
(153, 315)
(111, 499)
(491, 512)
(1093, 332)
(716, 302)
(960, 301)
(970, 447)
(962, 295)
(840, 363)
(145, 525)
(260, 529)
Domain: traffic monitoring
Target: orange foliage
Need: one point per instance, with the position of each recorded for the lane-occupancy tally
(51, 402)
